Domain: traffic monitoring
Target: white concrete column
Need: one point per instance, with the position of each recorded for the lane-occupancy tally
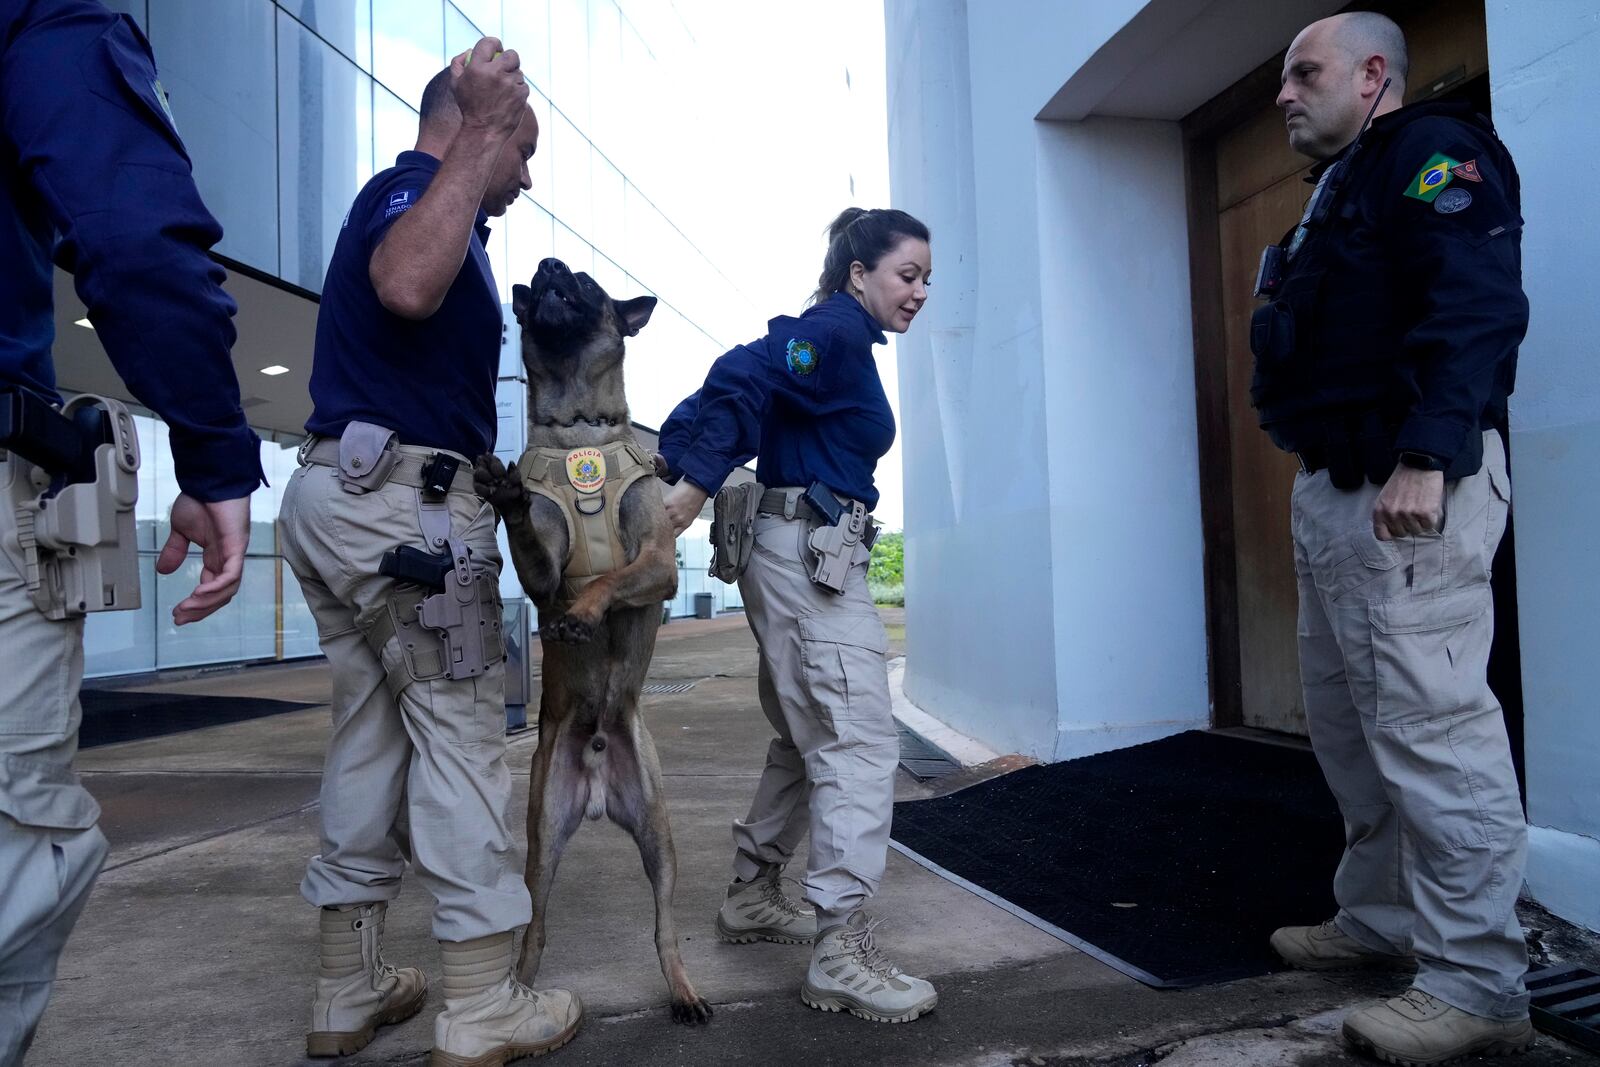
(1544, 62)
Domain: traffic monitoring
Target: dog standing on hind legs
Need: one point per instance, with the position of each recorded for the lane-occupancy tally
(592, 547)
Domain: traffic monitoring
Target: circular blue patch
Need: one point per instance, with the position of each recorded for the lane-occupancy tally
(802, 356)
(1433, 177)
(1451, 201)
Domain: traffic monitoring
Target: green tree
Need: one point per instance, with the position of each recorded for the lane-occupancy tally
(888, 564)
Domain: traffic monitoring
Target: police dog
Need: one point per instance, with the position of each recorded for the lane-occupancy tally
(595, 756)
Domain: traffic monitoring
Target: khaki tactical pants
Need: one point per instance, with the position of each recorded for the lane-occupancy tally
(1394, 646)
(423, 777)
(50, 847)
(825, 688)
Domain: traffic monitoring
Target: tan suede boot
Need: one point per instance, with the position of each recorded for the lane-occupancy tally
(1327, 948)
(1417, 1029)
(356, 991)
(489, 1017)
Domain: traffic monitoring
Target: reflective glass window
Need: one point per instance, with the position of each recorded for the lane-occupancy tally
(394, 128)
(325, 148)
(485, 15)
(605, 71)
(527, 29)
(569, 58)
(345, 24)
(216, 62)
(407, 45)
(459, 32)
(124, 642)
(530, 237)
(541, 170)
(606, 191)
(569, 156)
(573, 250)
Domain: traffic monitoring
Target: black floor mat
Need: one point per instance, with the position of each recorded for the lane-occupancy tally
(1172, 861)
(112, 715)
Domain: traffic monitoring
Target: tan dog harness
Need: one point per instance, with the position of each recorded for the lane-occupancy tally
(587, 484)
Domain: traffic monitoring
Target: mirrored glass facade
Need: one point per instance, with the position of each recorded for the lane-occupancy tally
(289, 106)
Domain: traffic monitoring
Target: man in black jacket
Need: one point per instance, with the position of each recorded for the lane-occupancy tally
(1384, 358)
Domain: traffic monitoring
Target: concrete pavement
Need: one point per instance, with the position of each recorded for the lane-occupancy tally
(197, 949)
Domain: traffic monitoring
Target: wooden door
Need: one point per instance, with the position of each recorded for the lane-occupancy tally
(1246, 188)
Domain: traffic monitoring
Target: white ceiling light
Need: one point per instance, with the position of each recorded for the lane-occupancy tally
(274, 370)
(85, 323)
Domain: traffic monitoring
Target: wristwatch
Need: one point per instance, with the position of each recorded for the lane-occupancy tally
(1421, 461)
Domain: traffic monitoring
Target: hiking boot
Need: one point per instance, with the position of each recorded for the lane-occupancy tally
(489, 1017)
(1327, 948)
(850, 973)
(356, 991)
(1416, 1028)
(759, 910)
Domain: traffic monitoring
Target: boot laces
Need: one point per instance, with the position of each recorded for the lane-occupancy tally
(772, 892)
(866, 952)
(1418, 999)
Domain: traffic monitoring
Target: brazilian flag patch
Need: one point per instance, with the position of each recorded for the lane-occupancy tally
(802, 357)
(1432, 178)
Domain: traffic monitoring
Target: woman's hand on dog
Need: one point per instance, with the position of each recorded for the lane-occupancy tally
(684, 502)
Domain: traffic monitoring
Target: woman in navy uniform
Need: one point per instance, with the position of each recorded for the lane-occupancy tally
(807, 401)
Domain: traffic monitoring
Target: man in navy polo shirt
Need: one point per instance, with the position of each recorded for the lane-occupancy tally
(408, 344)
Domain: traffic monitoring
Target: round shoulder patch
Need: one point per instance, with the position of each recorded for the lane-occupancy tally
(802, 356)
(586, 469)
(1451, 201)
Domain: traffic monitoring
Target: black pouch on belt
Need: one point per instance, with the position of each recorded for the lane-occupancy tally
(1344, 466)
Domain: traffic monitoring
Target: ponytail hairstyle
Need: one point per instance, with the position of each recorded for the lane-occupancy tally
(864, 236)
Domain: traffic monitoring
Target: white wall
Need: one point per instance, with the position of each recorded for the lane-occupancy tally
(1029, 616)
(1544, 62)
(978, 611)
(1128, 580)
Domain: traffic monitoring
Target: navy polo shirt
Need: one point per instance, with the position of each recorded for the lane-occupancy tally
(432, 382)
(806, 400)
(94, 176)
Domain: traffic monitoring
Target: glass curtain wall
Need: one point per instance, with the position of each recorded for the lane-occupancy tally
(288, 106)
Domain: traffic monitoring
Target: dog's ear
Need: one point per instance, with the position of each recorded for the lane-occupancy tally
(634, 313)
(521, 300)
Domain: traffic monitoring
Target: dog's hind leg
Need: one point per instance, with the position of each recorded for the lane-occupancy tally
(558, 793)
(636, 802)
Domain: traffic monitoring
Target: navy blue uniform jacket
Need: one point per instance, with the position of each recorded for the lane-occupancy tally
(806, 399)
(1406, 307)
(93, 174)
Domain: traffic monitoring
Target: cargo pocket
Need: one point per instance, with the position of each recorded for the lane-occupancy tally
(843, 666)
(1430, 654)
(1352, 560)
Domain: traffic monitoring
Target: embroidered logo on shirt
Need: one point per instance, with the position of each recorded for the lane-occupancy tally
(586, 469)
(399, 203)
(1451, 201)
(1432, 178)
(802, 357)
(1467, 170)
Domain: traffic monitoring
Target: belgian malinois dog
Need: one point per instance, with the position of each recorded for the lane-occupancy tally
(595, 756)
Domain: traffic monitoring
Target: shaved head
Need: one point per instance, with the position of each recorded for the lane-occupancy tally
(1367, 33)
(1333, 74)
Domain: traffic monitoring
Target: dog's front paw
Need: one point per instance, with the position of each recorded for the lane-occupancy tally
(692, 1011)
(567, 630)
(500, 485)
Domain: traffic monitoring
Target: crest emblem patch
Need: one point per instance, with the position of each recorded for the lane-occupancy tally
(802, 357)
(586, 469)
